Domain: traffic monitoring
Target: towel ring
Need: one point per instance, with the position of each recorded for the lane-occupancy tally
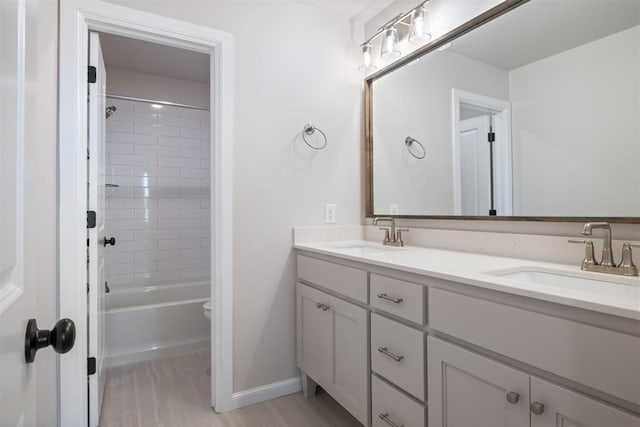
(409, 143)
(309, 130)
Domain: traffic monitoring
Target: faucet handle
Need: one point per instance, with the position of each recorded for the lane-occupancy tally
(627, 265)
(399, 235)
(589, 256)
(387, 237)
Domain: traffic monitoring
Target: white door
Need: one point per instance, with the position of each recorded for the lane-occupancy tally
(475, 173)
(22, 255)
(96, 203)
(554, 406)
(469, 390)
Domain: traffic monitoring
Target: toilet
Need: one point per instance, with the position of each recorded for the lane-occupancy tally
(207, 309)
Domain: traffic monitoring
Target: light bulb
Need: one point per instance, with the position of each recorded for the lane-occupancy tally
(390, 48)
(366, 66)
(419, 31)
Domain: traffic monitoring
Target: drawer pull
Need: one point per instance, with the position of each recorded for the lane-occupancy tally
(513, 397)
(324, 307)
(388, 298)
(385, 417)
(537, 408)
(386, 352)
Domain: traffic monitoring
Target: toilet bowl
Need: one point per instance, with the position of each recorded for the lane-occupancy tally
(207, 309)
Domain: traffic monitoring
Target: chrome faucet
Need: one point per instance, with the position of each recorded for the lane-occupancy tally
(607, 255)
(607, 264)
(392, 236)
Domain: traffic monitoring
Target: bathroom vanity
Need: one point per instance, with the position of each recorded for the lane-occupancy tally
(415, 336)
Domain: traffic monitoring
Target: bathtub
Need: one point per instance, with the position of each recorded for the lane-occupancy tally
(156, 321)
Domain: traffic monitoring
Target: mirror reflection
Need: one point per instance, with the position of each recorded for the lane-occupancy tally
(536, 113)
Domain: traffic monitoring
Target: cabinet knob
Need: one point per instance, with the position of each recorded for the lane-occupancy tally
(537, 408)
(513, 397)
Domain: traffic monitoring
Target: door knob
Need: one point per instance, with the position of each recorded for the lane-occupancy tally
(111, 241)
(61, 338)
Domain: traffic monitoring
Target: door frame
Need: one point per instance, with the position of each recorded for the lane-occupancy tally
(503, 177)
(77, 17)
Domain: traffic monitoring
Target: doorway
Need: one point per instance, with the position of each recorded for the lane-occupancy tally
(482, 163)
(77, 20)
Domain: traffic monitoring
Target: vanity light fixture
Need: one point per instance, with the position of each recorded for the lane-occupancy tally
(367, 66)
(418, 33)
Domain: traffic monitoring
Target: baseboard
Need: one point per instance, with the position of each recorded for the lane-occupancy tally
(265, 392)
(156, 353)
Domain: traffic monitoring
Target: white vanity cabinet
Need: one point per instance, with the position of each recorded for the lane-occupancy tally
(332, 347)
(403, 349)
(468, 389)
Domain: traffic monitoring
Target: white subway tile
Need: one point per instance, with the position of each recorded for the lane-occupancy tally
(119, 257)
(175, 121)
(194, 173)
(205, 163)
(195, 273)
(143, 128)
(192, 113)
(179, 264)
(131, 202)
(135, 245)
(130, 138)
(156, 213)
(128, 159)
(126, 170)
(158, 234)
(178, 182)
(128, 116)
(116, 148)
(194, 213)
(178, 203)
(190, 133)
(118, 213)
(171, 141)
(121, 236)
(197, 153)
(178, 244)
(205, 124)
(178, 162)
(156, 150)
(192, 253)
(134, 181)
(116, 126)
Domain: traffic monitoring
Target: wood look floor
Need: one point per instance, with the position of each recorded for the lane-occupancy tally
(175, 392)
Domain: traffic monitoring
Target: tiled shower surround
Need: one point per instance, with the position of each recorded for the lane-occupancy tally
(158, 155)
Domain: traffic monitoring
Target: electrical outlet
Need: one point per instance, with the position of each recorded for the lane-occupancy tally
(394, 209)
(330, 213)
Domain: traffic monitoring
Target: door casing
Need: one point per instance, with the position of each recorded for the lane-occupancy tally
(77, 18)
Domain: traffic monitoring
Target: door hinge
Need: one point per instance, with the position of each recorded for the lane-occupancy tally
(91, 365)
(492, 136)
(93, 74)
(91, 219)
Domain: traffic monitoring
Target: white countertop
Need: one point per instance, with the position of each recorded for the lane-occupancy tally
(622, 299)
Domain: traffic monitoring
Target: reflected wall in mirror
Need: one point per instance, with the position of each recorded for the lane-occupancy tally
(536, 113)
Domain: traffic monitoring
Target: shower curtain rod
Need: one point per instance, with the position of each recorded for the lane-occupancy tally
(173, 104)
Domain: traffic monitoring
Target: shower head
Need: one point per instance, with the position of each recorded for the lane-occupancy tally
(110, 110)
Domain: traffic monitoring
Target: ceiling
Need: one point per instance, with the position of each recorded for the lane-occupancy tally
(349, 8)
(542, 28)
(153, 58)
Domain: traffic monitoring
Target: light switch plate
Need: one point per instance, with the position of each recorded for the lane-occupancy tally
(330, 213)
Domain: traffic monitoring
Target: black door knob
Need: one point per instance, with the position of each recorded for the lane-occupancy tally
(61, 338)
(111, 241)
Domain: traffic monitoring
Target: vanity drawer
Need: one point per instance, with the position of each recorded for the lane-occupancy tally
(404, 299)
(390, 404)
(604, 360)
(398, 354)
(337, 278)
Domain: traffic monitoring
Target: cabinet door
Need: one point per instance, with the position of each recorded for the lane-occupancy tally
(349, 370)
(564, 408)
(465, 389)
(313, 331)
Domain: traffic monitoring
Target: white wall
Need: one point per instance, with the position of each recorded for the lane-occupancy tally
(575, 128)
(416, 101)
(291, 68)
(156, 87)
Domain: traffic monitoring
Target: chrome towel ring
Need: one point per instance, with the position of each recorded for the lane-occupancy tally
(309, 130)
(409, 142)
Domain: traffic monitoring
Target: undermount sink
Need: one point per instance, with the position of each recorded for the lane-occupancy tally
(364, 248)
(623, 287)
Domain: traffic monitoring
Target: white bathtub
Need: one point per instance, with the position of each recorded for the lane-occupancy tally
(157, 321)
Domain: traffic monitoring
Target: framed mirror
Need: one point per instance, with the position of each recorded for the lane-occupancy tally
(529, 112)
